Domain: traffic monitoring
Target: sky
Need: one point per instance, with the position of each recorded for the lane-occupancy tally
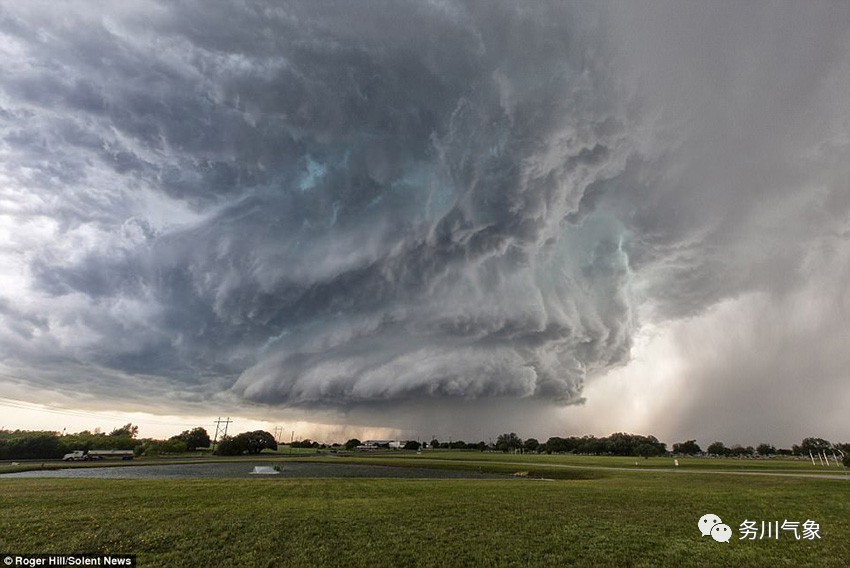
(417, 219)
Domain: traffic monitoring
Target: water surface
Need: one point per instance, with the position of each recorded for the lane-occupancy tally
(238, 469)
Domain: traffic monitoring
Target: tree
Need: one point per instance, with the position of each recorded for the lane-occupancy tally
(531, 445)
(557, 445)
(412, 445)
(352, 443)
(194, 438)
(258, 440)
(739, 450)
(508, 442)
(231, 446)
(717, 448)
(688, 448)
(620, 444)
(125, 431)
(22, 444)
(646, 450)
(846, 460)
(814, 445)
(434, 444)
(591, 445)
(246, 443)
(173, 445)
(766, 449)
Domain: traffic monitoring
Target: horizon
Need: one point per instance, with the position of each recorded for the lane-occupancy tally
(160, 429)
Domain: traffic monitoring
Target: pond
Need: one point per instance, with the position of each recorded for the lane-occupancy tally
(243, 469)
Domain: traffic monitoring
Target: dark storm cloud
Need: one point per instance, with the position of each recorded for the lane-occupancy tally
(377, 196)
(337, 204)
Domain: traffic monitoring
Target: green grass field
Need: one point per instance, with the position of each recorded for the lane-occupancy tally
(593, 518)
(777, 465)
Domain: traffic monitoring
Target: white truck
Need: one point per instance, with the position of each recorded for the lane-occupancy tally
(88, 455)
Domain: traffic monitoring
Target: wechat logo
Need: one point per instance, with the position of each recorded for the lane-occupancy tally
(712, 525)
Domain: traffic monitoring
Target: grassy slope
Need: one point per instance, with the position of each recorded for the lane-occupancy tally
(791, 465)
(618, 519)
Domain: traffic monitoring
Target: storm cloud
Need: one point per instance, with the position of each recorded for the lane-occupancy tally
(354, 205)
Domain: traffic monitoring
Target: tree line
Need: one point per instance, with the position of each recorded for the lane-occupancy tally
(25, 444)
(617, 444)
(29, 444)
(809, 446)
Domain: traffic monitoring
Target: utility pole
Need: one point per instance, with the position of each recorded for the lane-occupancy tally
(277, 432)
(219, 428)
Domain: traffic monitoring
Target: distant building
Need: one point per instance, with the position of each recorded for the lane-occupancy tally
(376, 444)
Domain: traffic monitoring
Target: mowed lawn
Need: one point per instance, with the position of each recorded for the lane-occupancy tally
(775, 464)
(615, 519)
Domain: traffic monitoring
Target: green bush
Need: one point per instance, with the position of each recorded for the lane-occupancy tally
(158, 447)
(24, 445)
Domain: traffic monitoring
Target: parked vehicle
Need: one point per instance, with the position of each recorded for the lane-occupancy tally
(90, 455)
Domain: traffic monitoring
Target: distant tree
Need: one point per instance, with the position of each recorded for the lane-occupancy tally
(435, 443)
(23, 444)
(591, 445)
(173, 445)
(246, 443)
(508, 442)
(231, 446)
(481, 446)
(620, 444)
(646, 450)
(258, 440)
(623, 444)
(717, 448)
(740, 451)
(352, 443)
(688, 448)
(194, 438)
(126, 431)
(846, 460)
(557, 445)
(531, 445)
(766, 449)
(412, 445)
(813, 445)
(91, 441)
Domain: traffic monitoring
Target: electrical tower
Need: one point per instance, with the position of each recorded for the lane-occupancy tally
(219, 428)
